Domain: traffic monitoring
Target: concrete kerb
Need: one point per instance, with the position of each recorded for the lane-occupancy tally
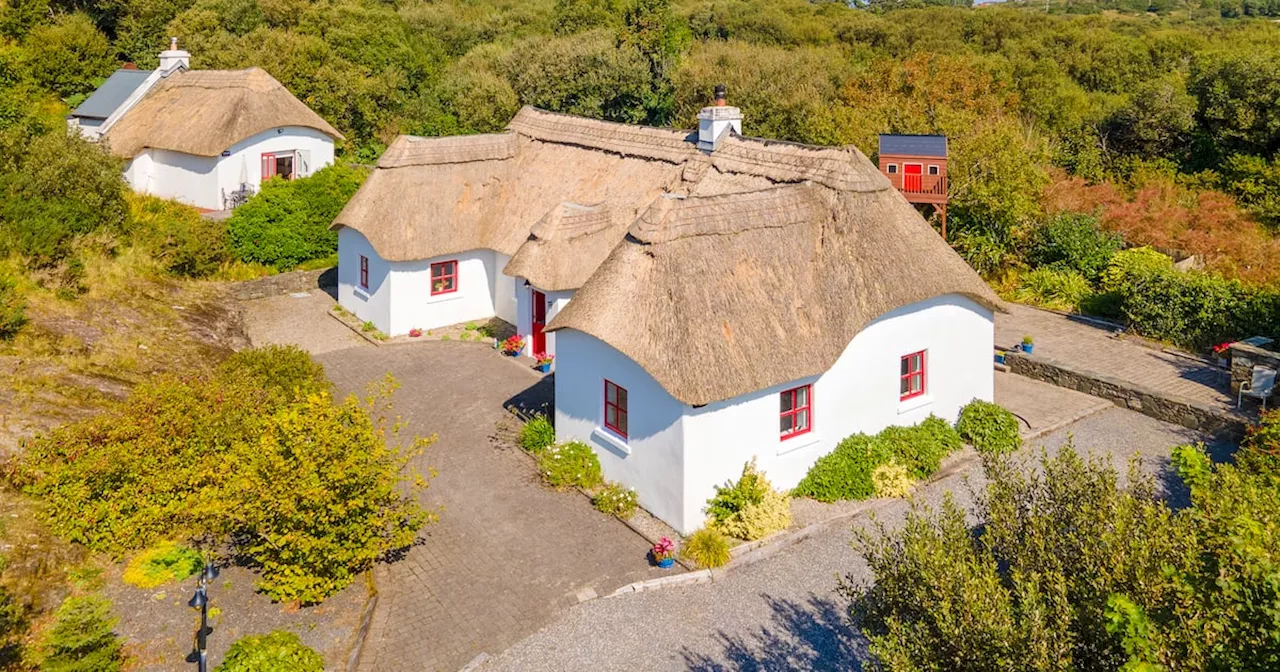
(362, 629)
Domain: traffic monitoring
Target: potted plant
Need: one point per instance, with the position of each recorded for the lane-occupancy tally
(544, 361)
(999, 356)
(415, 332)
(1027, 344)
(1220, 351)
(512, 346)
(664, 553)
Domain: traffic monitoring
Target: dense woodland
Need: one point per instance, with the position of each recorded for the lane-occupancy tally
(1070, 123)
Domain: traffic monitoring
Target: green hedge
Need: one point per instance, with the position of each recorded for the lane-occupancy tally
(989, 427)
(287, 221)
(846, 472)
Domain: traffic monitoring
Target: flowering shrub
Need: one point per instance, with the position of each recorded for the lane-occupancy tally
(572, 464)
(749, 509)
(543, 358)
(616, 499)
(513, 345)
(665, 549)
(415, 332)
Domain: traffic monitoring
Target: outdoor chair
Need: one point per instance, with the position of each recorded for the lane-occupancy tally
(1264, 381)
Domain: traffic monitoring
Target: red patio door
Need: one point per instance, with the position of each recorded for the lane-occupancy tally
(911, 180)
(539, 302)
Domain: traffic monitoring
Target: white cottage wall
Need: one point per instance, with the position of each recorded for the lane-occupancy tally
(182, 177)
(372, 304)
(860, 393)
(506, 290)
(650, 459)
(242, 162)
(413, 306)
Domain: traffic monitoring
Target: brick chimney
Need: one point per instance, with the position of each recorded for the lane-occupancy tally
(173, 57)
(717, 120)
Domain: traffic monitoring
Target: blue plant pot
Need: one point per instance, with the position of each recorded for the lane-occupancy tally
(1028, 347)
(666, 563)
(1000, 358)
(544, 368)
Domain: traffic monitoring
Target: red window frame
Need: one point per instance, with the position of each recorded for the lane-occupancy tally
(913, 367)
(364, 272)
(794, 410)
(452, 276)
(618, 406)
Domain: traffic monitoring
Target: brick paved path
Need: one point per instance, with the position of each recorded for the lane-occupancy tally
(507, 554)
(1089, 347)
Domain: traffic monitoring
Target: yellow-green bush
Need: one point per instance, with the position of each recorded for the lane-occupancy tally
(162, 563)
(616, 499)
(706, 548)
(750, 508)
(258, 454)
(892, 480)
(279, 651)
(989, 427)
(537, 434)
(1057, 289)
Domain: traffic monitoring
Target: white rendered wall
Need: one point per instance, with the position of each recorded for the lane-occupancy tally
(242, 162)
(860, 393)
(506, 290)
(203, 180)
(413, 306)
(182, 177)
(650, 459)
(556, 301)
(371, 305)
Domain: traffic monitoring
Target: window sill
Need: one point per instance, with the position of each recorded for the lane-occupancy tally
(611, 440)
(362, 294)
(914, 403)
(444, 298)
(786, 446)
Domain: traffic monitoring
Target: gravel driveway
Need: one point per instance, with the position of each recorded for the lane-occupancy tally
(783, 613)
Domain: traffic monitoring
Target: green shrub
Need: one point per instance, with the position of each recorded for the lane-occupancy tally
(285, 369)
(304, 486)
(573, 464)
(165, 562)
(82, 637)
(280, 651)
(920, 448)
(617, 500)
(1126, 266)
(179, 238)
(1056, 289)
(706, 549)
(537, 434)
(989, 427)
(13, 308)
(287, 221)
(845, 473)
(750, 508)
(892, 480)
(1260, 449)
(1074, 244)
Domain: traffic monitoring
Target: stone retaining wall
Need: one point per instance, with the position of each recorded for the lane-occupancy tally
(285, 283)
(1244, 357)
(1159, 405)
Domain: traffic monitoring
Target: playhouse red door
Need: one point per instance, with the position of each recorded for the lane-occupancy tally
(539, 337)
(911, 180)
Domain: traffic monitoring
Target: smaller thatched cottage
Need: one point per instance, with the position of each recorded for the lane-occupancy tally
(204, 137)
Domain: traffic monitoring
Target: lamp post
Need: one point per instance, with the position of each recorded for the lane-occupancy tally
(201, 601)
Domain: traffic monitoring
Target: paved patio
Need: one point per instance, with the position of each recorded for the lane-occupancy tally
(507, 554)
(1093, 347)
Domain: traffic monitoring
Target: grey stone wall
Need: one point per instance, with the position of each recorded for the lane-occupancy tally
(1244, 357)
(285, 283)
(1159, 405)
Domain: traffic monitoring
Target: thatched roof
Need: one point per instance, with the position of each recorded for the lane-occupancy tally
(567, 245)
(718, 296)
(203, 112)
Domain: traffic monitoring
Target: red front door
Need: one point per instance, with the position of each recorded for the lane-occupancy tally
(539, 301)
(911, 180)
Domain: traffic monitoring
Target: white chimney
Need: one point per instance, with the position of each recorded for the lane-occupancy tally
(173, 57)
(715, 121)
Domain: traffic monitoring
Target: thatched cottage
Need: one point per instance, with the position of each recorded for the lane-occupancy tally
(713, 298)
(204, 137)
